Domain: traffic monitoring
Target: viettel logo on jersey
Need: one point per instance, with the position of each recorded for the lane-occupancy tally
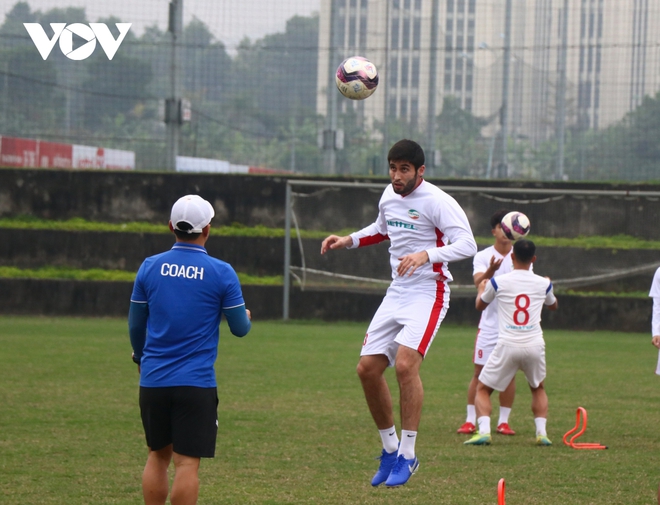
(413, 214)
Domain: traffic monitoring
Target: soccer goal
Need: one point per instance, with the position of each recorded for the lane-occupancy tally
(316, 209)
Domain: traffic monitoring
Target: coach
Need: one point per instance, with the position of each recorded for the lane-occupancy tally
(177, 302)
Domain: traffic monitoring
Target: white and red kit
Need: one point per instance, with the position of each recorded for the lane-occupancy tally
(655, 317)
(488, 324)
(520, 296)
(430, 220)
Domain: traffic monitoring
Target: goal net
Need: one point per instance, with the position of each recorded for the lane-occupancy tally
(315, 209)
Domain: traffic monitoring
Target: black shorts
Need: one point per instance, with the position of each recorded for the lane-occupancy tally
(184, 416)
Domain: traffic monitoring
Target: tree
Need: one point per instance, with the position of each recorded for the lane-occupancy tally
(464, 153)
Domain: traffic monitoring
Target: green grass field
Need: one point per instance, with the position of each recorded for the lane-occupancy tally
(294, 427)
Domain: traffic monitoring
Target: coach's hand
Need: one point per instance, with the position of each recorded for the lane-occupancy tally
(656, 341)
(412, 262)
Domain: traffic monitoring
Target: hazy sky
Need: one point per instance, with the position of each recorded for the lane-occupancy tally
(229, 20)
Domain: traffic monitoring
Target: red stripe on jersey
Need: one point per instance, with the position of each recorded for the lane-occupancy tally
(437, 267)
(372, 239)
(433, 319)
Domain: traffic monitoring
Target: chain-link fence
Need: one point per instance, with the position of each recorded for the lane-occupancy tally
(492, 89)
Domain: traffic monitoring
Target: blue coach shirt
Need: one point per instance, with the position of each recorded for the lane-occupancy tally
(185, 290)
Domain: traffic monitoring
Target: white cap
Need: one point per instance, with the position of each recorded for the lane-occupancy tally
(194, 210)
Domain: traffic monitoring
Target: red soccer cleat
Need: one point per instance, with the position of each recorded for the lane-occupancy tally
(504, 429)
(467, 428)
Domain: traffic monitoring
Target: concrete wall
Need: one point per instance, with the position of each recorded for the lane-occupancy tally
(111, 299)
(265, 256)
(251, 200)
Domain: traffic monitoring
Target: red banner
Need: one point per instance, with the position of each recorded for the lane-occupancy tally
(18, 152)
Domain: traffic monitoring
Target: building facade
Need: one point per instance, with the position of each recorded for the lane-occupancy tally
(590, 61)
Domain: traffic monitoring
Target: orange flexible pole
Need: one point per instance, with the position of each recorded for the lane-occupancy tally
(501, 487)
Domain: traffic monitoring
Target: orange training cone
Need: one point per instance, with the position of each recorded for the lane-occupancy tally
(581, 414)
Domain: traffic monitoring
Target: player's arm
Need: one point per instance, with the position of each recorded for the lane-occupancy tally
(451, 220)
(551, 302)
(238, 319)
(138, 313)
(490, 271)
(485, 294)
(375, 233)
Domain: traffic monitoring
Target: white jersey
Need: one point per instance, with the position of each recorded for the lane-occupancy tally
(655, 294)
(488, 323)
(428, 219)
(521, 295)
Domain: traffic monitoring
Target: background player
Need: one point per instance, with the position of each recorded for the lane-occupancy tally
(655, 318)
(492, 261)
(427, 229)
(521, 295)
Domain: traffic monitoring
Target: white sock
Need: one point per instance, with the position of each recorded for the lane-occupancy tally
(484, 425)
(407, 447)
(390, 440)
(540, 426)
(504, 415)
(471, 414)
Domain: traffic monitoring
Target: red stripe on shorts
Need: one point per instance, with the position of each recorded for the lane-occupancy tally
(433, 319)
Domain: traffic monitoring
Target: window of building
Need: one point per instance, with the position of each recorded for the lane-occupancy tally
(468, 83)
(417, 33)
(414, 73)
(447, 82)
(468, 104)
(404, 107)
(450, 6)
(394, 71)
(460, 6)
(472, 6)
(448, 63)
(352, 29)
(449, 26)
(458, 82)
(406, 34)
(448, 43)
(392, 111)
(363, 31)
(395, 33)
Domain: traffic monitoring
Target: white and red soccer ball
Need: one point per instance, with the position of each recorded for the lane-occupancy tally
(515, 225)
(357, 78)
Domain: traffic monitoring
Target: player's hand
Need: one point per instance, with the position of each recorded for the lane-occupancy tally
(411, 262)
(249, 314)
(495, 264)
(335, 242)
(656, 341)
(482, 285)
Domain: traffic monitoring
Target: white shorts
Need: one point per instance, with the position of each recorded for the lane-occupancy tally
(407, 316)
(483, 346)
(506, 360)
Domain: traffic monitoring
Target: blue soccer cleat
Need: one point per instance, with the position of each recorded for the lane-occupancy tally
(402, 471)
(387, 460)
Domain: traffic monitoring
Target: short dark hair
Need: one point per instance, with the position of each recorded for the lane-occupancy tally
(181, 234)
(407, 150)
(524, 250)
(496, 218)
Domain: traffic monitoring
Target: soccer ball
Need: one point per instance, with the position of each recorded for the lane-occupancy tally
(515, 225)
(357, 78)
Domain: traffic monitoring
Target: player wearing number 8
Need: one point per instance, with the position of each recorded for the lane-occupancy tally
(520, 295)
